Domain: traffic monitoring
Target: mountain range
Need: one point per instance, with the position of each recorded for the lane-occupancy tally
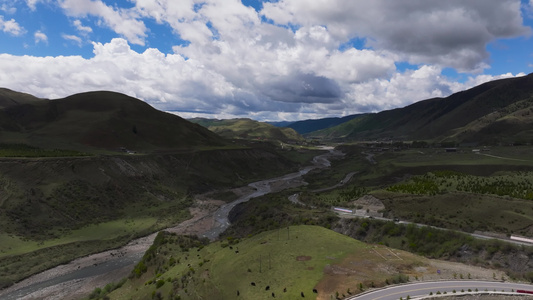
(307, 126)
(45, 199)
(495, 112)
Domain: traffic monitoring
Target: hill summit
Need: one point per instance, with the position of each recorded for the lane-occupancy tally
(98, 120)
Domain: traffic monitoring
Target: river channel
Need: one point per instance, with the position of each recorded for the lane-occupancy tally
(77, 278)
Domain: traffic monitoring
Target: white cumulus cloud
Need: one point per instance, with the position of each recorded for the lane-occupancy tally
(8, 8)
(451, 33)
(83, 29)
(73, 38)
(171, 82)
(294, 59)
(40, 37)
(119, 20)
(32, 4)
(11, 27)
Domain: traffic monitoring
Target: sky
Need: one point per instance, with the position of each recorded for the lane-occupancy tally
(281, 60)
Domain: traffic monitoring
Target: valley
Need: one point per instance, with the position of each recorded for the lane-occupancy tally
(116, 200)
(68, 281)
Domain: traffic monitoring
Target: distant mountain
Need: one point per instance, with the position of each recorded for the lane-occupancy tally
(98, 120)
(248, 129)
(307, 126)
(500, 111)
(281, 123)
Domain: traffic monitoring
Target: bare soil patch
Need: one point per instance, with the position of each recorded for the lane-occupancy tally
(369, 202)
(202, 217)
(374, 266)
(303, 258)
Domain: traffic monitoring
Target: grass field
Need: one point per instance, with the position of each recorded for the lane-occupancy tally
(462, 211)
(489, 191)
(28, 256)
(23, 150)
(55, 210)
(284, 262)
(428, 157)
(12, 245)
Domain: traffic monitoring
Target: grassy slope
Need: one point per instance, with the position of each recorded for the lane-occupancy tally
(307, 126)
(248, 129)
(98, 121)
(217, 266)
(463, 211)
(126, 196)
(511, 124)
(451, 117)
(297, 259)
(49, 204)
(466, 203)
(10, 98)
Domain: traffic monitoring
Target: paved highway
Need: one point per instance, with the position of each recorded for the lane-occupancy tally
(475, 235)
(422, 289)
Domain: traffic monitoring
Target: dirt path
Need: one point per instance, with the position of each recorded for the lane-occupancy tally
(501, 157)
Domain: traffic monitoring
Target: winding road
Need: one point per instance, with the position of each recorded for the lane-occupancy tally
(423, 289)
(65, 281)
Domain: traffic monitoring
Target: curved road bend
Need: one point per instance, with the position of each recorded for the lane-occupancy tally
(295, 197)
(28, 288)
(424, 288)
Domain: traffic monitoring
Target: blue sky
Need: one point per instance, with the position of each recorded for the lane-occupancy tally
(277, 60)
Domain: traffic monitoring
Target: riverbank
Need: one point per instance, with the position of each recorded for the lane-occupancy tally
(209, 217)
(111, 265)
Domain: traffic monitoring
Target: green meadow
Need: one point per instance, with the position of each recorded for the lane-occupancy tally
(467, 191)
(30, 256)
(285, 262)
(13, 245)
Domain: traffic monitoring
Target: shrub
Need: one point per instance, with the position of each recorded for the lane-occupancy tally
(159, 283)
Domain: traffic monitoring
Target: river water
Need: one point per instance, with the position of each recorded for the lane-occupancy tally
(68, 281)
(264, 187)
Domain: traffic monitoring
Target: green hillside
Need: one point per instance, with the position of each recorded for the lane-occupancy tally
(53, 210)
(11, 98)
(96, 121)
(71, 186)
(307, 126)
(500, 111)
(283, 263)
(248, 129)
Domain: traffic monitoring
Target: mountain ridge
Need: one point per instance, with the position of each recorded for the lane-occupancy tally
(498, 111)
(98, 120)
(310, 125)
(440, 119)
(246, 128)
